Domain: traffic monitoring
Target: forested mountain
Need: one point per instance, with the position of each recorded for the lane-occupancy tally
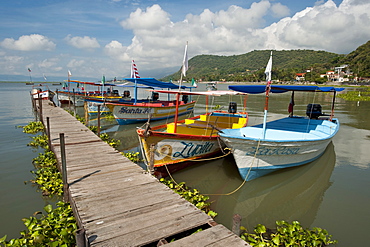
(286, 63)
(359, 60)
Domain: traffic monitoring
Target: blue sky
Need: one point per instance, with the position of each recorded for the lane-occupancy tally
(95, 37)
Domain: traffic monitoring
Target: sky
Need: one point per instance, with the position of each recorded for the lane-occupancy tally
(91, 38)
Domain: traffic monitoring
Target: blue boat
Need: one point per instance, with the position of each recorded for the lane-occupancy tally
(291, 141)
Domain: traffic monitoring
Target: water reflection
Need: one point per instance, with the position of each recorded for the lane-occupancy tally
(290, 194)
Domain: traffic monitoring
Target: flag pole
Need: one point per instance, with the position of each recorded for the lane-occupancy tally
(184, 67)
(29, 71)
(135, 75)
(268, 88)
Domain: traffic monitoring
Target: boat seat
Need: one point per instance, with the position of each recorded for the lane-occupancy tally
(192, 129)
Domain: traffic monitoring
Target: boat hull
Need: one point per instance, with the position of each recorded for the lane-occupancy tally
(70, 98)
(141, 112)
(174, 152)
(42, 94)
(256, 157)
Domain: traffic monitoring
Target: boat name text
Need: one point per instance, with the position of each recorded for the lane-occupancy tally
(190, 149)
(126, 110)
(272, 151)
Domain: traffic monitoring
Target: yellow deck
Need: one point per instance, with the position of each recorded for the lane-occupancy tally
(207, 125)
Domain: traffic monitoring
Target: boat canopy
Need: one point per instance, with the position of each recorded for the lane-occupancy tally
(206, 93)
(92, 83)
(151, 82)
(255, 89)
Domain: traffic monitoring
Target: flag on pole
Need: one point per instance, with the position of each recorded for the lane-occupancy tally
(44, 77)
(193, 83)
(29, 70)
(268, 74)
(69, 73)
(185, 61)
(134, 71)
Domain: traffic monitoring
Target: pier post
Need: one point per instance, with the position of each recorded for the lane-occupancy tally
(64, 167)
(151, 159)
(86, 113)
(40, 109)
(48, 131)
(236, 224)
(80, 237)
(98, 120)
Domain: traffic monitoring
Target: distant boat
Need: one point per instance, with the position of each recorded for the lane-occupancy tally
(211, 86)
(29, 83)
(77, 95)
(292, 141)
(174, 146)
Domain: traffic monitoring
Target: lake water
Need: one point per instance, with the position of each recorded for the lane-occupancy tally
(331, 192)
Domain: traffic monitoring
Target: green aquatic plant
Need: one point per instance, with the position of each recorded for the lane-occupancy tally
(56, 228)
(363, 95)
(287, 235)
(33, 127)
(133, 156)
(191, 195)
(47, 175)
(39, 141)
(111, 141)
(81, 119)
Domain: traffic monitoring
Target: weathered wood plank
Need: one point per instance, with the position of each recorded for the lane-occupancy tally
(214, 236)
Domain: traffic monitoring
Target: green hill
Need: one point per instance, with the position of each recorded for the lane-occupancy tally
(250, 66)
(286, 63)
(359, 60)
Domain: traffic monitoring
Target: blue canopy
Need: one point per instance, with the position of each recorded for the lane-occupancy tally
(151, 82)
(255, 89)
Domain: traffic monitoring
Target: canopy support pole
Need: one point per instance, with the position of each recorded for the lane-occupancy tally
(177, 112)
(332, 107)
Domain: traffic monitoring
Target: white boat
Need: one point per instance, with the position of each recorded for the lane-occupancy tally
(42, 91)
(292, 141)
(211, 86)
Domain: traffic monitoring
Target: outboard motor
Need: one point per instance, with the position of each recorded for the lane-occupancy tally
(185, 99)
(314, 111)
(126, 94)
(232, 107)
(155, 96)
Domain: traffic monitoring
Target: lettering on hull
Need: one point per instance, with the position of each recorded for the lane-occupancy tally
(266, 151)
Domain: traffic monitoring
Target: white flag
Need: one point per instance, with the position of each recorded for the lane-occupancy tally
(185, 61)
(69, 73)
(268, 69)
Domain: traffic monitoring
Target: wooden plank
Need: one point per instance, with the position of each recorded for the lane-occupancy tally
(215, 236)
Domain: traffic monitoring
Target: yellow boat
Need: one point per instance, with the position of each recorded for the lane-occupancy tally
(171, 147)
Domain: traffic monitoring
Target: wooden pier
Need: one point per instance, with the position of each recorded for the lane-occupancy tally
(115, 202)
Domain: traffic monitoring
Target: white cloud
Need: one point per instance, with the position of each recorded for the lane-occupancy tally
(85, 42)
(159, 42)
(74, 63)
(153, 18)
(280, 10)
(327, 27)
(33, 42)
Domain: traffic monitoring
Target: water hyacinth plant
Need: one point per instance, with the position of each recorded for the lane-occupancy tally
(287, 234)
